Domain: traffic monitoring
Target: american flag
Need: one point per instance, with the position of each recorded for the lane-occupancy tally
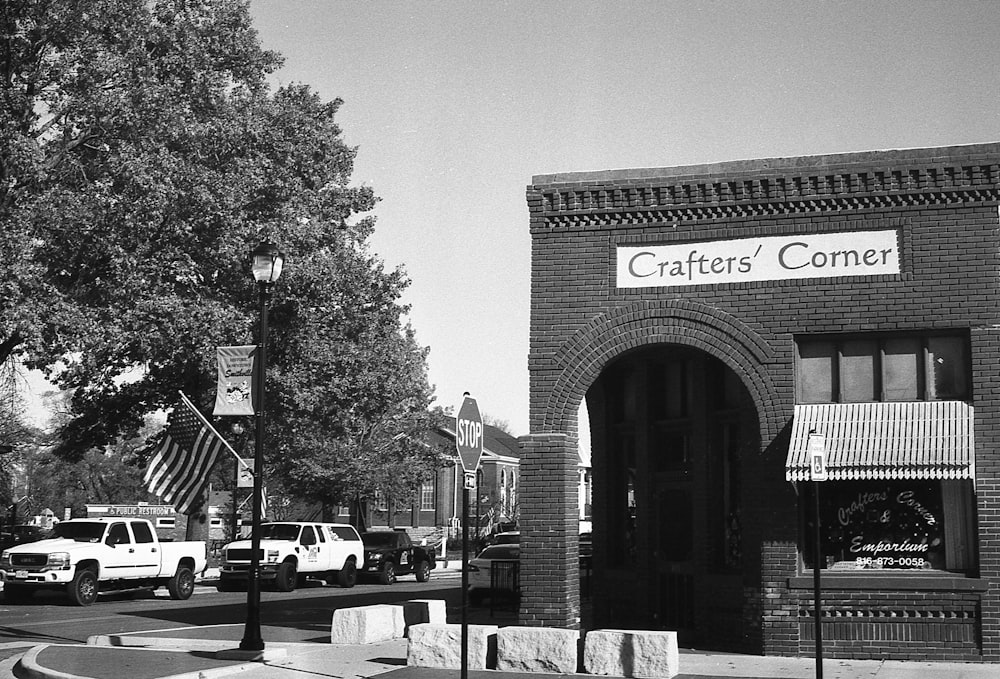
(178, 470)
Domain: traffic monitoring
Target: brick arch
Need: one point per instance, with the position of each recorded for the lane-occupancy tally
(643, 324)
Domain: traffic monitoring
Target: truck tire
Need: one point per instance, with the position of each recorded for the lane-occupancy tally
(423, 571)
(16, 594)
(347, 576)
(287, 577)
(84, 587)
(388, 574)
(181, 585)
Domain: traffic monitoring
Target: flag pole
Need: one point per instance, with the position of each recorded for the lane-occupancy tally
(212, 429)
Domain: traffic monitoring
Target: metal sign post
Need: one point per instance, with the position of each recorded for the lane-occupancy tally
(817, 470)
(469, 442)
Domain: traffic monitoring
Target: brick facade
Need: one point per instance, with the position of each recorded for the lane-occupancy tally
(943, 203)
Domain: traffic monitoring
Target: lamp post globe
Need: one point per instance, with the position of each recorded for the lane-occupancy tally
(266, 262)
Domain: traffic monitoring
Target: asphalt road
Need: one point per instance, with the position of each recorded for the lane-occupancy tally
(302, 615)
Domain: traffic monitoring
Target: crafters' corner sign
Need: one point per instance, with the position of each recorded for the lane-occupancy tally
(854, 253)
(233, 394)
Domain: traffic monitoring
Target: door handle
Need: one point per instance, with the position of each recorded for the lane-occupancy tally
(131, 550)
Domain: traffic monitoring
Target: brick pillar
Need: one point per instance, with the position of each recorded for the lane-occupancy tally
(550, 531)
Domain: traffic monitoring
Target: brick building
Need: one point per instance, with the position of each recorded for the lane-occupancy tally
(715, 316)
(438, 503)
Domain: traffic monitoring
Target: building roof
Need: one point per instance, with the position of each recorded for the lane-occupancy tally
(793, 164)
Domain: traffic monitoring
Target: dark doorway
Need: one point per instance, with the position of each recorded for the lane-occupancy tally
(670, 428)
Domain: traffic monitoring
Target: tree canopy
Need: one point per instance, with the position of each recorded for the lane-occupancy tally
(143, 154)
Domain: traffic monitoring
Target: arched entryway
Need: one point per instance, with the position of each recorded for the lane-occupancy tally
(671, 430)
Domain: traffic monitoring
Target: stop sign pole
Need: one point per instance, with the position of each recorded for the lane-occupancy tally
(469, 442)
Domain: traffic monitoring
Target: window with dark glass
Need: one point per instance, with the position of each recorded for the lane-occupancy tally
(882, 368)
(142, 532)
(890, 524)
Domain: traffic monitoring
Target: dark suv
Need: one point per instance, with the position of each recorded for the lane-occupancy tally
(391, 553)
(24, 534)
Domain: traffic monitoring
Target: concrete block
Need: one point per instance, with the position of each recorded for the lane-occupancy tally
(440, 646)
(417, 611)
(538, 649)
(367, 624)
(631, 653)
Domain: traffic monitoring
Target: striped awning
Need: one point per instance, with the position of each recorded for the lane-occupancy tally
(911, 440)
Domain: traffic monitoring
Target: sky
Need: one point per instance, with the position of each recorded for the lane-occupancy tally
(454, 106)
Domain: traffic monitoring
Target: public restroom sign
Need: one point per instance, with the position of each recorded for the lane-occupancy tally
(772, 258)
(817, 457)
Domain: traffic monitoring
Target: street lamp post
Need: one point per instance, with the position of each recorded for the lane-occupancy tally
(266, 262)
(239, 430)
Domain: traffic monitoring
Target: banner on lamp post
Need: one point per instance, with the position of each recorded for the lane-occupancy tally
(234, 393)
(245, 474)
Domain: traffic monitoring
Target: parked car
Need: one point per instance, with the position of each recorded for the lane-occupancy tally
(510, 537)
(20, 535)
(86, 556)
(481, 566)
(292, 550)
(389, 554)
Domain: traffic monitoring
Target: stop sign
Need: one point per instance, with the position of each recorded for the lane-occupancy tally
(469, 434)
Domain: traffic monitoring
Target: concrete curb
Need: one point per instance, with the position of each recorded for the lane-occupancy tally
(7, 666)
(166, 643)
(27, 665)
(31, 669)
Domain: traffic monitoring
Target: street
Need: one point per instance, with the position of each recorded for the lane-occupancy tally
(301, 616)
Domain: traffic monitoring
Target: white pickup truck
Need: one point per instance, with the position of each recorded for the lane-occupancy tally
(291, 550)
(86, 556)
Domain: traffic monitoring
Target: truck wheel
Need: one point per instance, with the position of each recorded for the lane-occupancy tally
(83, 589)
(423, 571)
(347, 576)
(181, 586)
(388, 575)
(16, 594)
(287, 577)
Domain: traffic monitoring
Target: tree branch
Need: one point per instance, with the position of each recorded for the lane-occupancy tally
(8, 346)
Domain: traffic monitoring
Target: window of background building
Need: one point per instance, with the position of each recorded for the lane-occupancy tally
(883, 368)
(427, 496)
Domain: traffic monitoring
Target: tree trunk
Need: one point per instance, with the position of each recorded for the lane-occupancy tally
(8, 345)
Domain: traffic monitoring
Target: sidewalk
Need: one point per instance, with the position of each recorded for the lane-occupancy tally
(189, 653)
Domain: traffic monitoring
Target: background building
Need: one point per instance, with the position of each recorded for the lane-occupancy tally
(436, 511)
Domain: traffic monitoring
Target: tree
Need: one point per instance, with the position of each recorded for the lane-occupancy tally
(142, 155)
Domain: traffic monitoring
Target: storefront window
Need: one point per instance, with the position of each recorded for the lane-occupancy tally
(902, 370)
(897, 525)
(858, 367)
(886, 368)
(817, 372)
(947, 370)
